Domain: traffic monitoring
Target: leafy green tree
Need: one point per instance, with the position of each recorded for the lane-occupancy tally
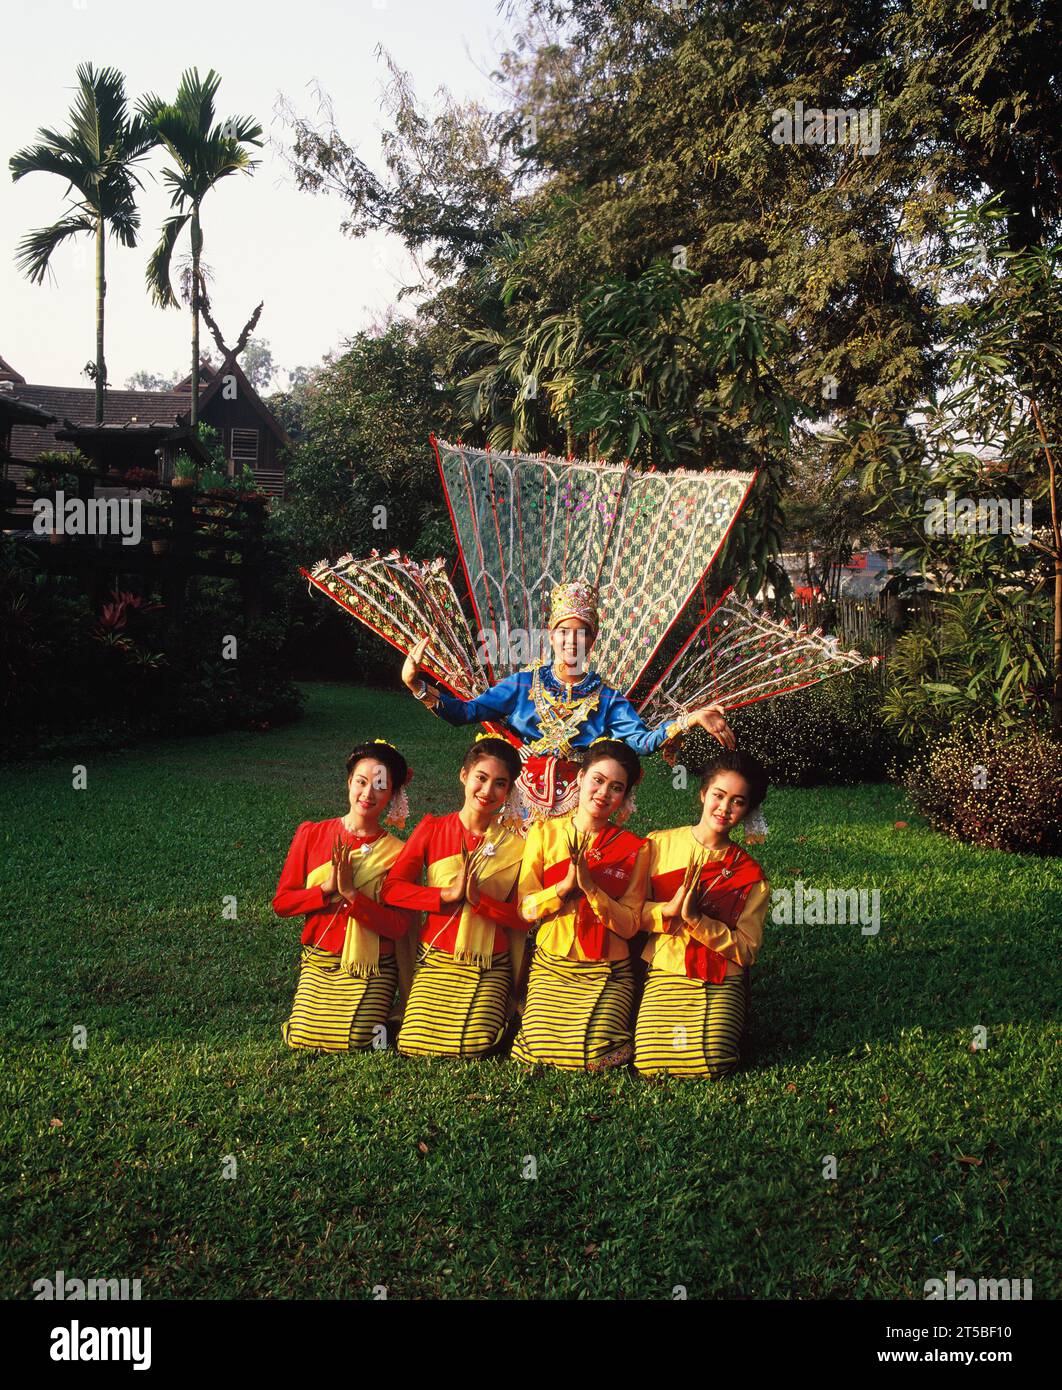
(642, 130)
(448, 187)
(828, 517)
(96, 156)
(649, 370)
(365, 475)
(203, 152)
(151, 381)
(361, 477)
(975, 487)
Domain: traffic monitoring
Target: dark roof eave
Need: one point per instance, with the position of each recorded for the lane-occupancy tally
(258, 404)
(179, 433)
(21, 413)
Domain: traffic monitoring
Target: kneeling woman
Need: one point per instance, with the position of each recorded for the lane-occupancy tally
(706, 908)
(459, 1001)
(333, 874)
(583, 883)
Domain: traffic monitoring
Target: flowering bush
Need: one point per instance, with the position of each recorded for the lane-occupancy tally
(991, 787)
(139, 477)
(830, 734)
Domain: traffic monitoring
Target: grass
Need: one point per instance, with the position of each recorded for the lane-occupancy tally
(353, 1172)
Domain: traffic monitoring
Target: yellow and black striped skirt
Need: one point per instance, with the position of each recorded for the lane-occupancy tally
(578, 1013)
(690, 1027)
(455, 1009)
(336, 1011)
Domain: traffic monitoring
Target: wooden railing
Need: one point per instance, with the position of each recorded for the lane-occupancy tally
(873, 624)
(183, 533)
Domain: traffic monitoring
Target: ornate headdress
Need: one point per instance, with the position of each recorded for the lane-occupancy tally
(575, 600)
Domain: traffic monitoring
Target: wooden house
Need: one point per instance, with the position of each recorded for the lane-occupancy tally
(147, 429)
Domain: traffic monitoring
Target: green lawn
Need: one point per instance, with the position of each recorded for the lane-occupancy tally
(353, 1172)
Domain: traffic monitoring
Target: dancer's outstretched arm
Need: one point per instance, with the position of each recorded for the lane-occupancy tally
(495, 703)
(625, 723)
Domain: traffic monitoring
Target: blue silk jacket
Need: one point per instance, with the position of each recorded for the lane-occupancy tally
(510, 702)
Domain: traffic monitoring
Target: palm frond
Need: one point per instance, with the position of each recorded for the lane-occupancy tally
(124, 225)
(49, 159)
(158, 270)
(195, 99)
(35, 249)
(98, 115)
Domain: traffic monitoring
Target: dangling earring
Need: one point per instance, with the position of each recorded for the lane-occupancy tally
(398, 811)
(628, 806)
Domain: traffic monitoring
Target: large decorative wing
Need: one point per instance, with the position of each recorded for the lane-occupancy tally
(525, 523)
(736, 656)
(402, 602)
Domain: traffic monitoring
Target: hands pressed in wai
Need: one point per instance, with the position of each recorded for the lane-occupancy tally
(684, 907)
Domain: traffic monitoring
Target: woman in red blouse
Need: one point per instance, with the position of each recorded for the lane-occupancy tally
(333, 875)
(459, 1000)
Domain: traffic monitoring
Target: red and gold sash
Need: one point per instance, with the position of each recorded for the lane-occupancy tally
(610, 862)
(498, 859)
(361, 945)
(726, 885)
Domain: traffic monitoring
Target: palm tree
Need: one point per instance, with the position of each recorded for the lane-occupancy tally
(96, 157)
(204, 152)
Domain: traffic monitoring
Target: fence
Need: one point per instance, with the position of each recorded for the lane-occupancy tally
(873, 624)
(182, 533)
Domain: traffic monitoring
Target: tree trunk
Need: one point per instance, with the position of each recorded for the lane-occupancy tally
(1056, 540)
(101, 294)
(197, 247)
(1056, 698)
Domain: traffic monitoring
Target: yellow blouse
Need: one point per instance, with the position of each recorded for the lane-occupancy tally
(669, 852)
(547, 845)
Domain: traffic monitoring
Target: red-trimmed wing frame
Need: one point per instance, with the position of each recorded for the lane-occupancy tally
(402, 601)
(736, 656)
(525, 523)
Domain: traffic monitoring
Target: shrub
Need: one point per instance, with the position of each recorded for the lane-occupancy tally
(971, 661)
(101, 675)
(830, 734)
(991, 787)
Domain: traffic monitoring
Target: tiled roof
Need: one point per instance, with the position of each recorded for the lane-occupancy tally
(78, 405)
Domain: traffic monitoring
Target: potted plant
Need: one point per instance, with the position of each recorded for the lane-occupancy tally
(216, 484)
(162, 544)
(184, 473)
(246, 485)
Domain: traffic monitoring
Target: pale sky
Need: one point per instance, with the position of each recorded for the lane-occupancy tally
(262, 238)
